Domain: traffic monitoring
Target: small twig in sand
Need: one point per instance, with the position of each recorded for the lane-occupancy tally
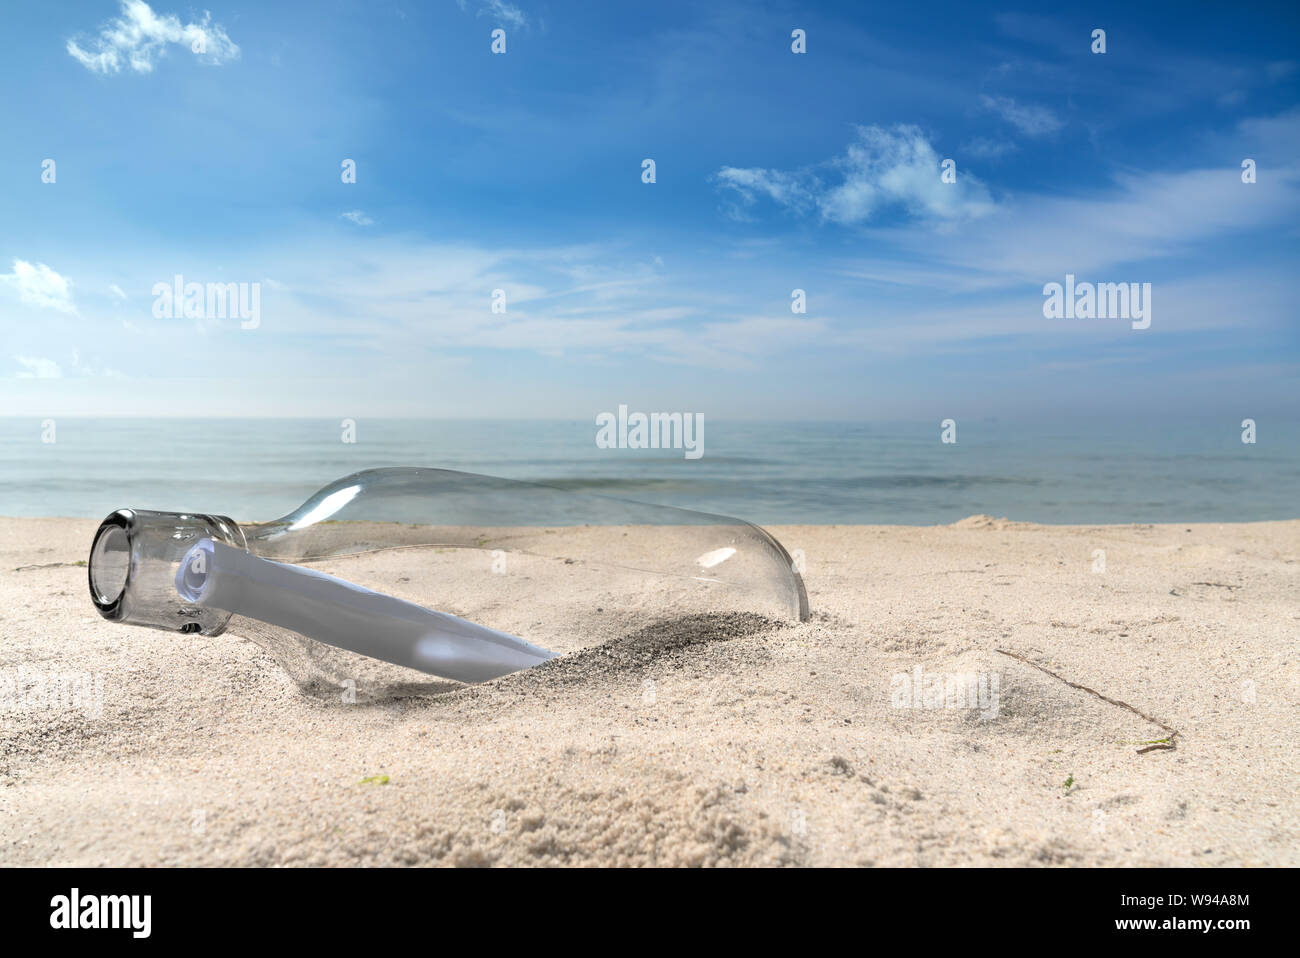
(50, 565)
(1159, 744)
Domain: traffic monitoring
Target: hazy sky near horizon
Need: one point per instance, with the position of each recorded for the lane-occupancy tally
(523, 172)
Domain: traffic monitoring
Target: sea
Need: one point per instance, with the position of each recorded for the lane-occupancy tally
(770, 473)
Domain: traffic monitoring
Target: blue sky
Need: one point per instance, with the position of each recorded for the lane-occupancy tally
(522, 172)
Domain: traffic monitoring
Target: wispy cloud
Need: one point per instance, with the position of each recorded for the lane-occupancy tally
(368, 301)
(499, 10)
(36, 367)
(792, 190)
(1280, 69)
(557, 300)
(1167, 225)
(358, 217)
(983, 148)
(1029, 118)
(1140, 218)
(884, 169)
(40, 286)
(139, 37)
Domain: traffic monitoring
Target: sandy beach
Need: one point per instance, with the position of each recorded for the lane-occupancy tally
(730, 740)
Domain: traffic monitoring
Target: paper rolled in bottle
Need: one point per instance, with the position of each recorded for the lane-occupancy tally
(347, 616)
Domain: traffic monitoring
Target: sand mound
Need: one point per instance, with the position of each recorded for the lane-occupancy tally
(662, 644)
(982, 521)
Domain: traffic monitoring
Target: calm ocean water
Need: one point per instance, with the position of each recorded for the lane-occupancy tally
(769, 473)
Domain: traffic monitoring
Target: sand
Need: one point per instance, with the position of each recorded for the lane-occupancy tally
(729, 739)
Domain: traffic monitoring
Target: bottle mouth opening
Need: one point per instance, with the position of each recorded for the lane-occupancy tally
(110, 563)
(134, 560)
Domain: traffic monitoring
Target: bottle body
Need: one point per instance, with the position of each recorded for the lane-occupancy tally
(557, 568)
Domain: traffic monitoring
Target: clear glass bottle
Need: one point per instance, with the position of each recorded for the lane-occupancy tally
(557, 568)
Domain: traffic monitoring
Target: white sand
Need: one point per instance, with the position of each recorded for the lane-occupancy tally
(772, 747)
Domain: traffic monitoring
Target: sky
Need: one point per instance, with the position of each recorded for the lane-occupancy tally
(501, 254)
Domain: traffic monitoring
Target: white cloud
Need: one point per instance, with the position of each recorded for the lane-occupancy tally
(900, 167)
(1030, 119)
(90, 368)
(35, 367)
(358, 217)
(40, 286)
(1279, 134)
(1120, 231)
(1280, 70)
(982, 148)
(139, 37)
(390, 299)
(883, 169)
(1141, 218)
(1156, 226)
(116, 290)
(1250, 299)
(501, 11)
(785, 189)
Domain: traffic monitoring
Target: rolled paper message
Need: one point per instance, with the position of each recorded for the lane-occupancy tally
(345, 615)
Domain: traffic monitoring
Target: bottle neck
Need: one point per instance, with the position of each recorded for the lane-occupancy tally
(133, 563)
